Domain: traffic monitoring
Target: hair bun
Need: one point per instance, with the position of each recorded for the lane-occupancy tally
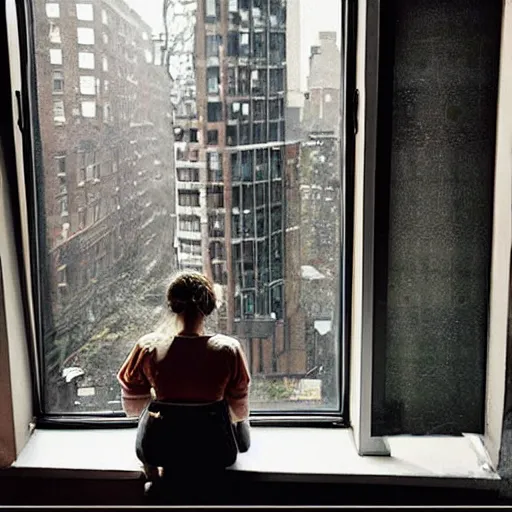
(191, 292)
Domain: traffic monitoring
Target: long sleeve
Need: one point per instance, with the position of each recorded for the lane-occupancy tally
(135, 386)
(237, 390)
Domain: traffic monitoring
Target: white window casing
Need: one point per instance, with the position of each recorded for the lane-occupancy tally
(501, 250)
(362, 268)
(55, 34)
(16, 425)
(361, 349)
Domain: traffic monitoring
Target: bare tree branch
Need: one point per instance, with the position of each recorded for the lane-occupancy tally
(179, 32)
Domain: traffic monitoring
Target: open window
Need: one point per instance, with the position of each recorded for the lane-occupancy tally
(334, 241)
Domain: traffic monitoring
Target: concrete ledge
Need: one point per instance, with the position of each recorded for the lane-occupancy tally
(277, 454)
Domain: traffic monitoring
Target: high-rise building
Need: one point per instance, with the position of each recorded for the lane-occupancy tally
(295, 95)
(322, 105)
(232, 165)
(105, 121)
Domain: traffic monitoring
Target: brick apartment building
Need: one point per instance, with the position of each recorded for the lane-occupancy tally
(105, 121)
(234, 167)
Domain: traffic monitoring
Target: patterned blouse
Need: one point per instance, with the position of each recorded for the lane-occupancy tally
(186, 369)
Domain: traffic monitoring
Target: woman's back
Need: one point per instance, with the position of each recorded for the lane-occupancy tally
(188, 369)
(189, 366)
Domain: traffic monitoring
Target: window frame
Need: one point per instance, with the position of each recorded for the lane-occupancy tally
(33, 175)
(23, 385)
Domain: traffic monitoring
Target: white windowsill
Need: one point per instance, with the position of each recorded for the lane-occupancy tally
(278, 454)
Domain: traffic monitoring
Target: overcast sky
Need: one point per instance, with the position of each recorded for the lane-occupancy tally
(316, 16)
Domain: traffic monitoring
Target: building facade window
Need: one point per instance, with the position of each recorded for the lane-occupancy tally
(214, 112)
(190, 223)
(233, 44)
(63, 202)
(214, 165)
(58, 112)
(108, 117)
(55, 56)
(58, 82)
(84, 12)
(215, 196)
(85, 60)
(212, 10)
(85, 35)
(191, 247)
(88, 109)
(188, 174)
(213, 78)
(213, 43)
(188, 198)
(213, 137)
(232, 81)
(87, 85)
(55, 34)
(53, 10)
(216, 225)
(60, 162)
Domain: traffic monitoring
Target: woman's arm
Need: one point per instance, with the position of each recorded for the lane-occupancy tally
(135, 386)
(237, 390)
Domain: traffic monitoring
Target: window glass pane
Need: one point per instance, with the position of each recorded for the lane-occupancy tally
(85, 60)
(213, 80)
(55, 56)
(58, 112)
(55, 34)
(52, 10)
(85, 35)
(87, 85)
(226, 162)
(84, 12)
(212, 45)
(58, 82)
(89, 108)
(211, 8)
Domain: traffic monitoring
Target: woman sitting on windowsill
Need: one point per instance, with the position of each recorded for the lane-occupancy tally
(190, 366)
